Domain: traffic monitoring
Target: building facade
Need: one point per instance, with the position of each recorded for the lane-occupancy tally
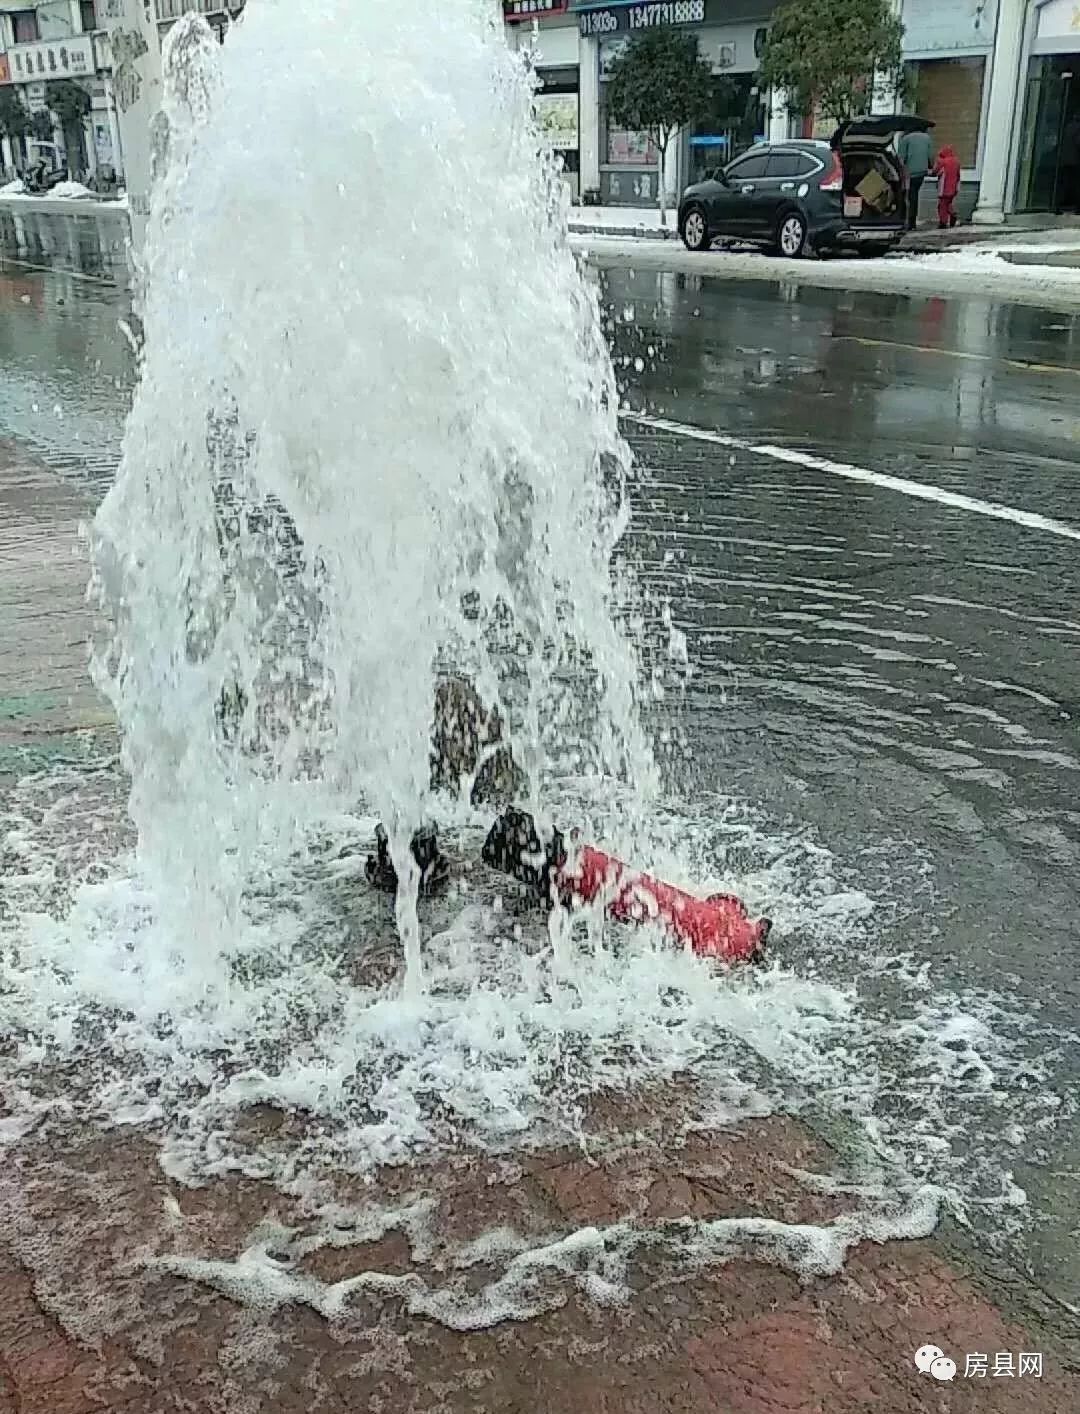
(40, 46)
(998, 78)
(947, 51)
(573, 43)
(1045, 99)
(44, 43)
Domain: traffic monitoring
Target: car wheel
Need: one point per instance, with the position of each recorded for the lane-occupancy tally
(791, 235)
(695, 229)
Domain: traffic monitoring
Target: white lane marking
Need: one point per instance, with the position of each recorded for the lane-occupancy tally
(918, 489)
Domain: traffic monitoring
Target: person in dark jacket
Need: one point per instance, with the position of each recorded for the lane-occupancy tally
(913, 149)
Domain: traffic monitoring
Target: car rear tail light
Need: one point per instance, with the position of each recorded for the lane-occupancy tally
(835, 180)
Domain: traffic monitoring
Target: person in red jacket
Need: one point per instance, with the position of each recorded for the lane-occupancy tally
(947, 171)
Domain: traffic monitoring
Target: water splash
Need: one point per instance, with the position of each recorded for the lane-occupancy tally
(375, 429)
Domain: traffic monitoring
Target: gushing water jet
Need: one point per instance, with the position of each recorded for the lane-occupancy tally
(369, 280)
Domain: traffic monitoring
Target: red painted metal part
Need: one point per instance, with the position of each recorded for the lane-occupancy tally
(713, 927)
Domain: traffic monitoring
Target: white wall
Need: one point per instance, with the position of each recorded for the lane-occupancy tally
(59, 19)
(716, 43)
(711, 42)
(1058, 28)
(943, 27)
(556, 45)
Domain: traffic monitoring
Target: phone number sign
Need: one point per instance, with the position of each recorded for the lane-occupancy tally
(630, 18)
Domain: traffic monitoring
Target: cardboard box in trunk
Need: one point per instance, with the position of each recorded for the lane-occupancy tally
(875, 191)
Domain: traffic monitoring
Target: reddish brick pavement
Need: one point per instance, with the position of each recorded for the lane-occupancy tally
(745, 1338)
(44, 683)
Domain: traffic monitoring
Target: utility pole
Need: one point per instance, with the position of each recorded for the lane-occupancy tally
(131, 27)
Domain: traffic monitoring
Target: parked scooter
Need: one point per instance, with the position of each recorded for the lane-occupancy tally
(40, 178)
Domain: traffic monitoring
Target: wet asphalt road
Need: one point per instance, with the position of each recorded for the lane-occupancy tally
(891, 666)
(65, 371)
(856, 625)
(898, 676)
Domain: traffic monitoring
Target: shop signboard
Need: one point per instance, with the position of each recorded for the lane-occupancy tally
(52, 59)
(597, 20)
(605, 20)
(515, 11)
(932, 28)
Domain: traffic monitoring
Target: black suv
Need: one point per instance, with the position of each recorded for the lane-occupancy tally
(790, 196)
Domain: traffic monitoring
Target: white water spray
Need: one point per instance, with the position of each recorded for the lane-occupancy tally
(374, 391)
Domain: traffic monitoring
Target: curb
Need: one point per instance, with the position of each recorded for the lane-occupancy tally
(61, 206)
(927, 244)
(1057, 259)
(663, 233)
(916, 245)
(891, 276)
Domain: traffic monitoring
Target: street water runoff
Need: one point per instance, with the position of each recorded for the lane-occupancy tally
(375, 438)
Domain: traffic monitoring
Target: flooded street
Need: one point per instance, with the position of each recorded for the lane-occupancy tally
(896, 674)
(876, 662)
(863, 512)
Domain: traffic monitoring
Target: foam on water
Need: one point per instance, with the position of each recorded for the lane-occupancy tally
(506, 1053)
(595, 1260)
(506, 1049)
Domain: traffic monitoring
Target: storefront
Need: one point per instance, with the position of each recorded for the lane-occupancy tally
(30, 66)
(629, 161)
(551, 32)
(1050, 100)
(947, 52)
(999, 79)
(730, 35)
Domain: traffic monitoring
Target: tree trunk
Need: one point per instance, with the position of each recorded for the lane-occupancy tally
(662, 147)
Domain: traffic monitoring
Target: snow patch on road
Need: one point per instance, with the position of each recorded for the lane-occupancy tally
(975, 271)
(75, 191)
(992, 260)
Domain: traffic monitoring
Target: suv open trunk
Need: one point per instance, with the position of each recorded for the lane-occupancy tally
(875, 186)
(874, 182)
